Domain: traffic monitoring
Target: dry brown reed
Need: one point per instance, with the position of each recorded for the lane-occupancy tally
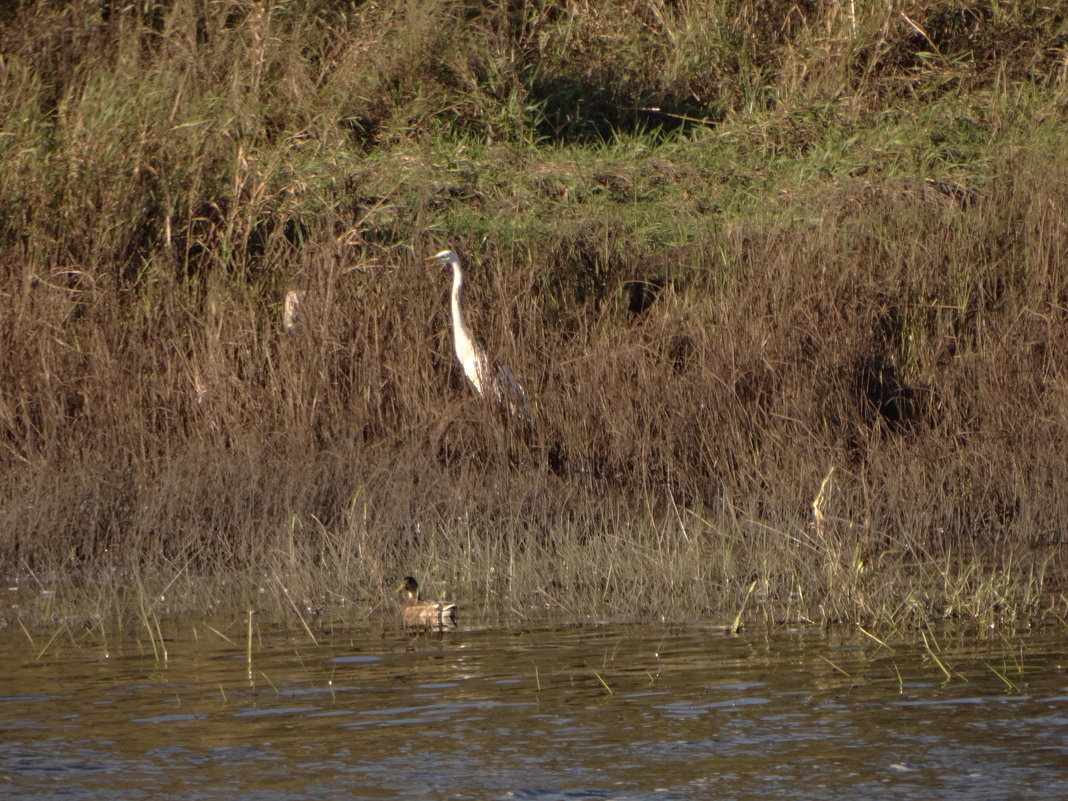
(884, 348)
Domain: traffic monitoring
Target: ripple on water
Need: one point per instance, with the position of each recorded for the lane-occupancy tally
(601, 713)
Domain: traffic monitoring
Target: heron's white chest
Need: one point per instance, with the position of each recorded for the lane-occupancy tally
(468, 356)
(468, 353)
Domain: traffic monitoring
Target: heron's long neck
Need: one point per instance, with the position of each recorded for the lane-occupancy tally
(468, 352)
(458, 320)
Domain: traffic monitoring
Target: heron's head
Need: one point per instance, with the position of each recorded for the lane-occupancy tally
(445, 257)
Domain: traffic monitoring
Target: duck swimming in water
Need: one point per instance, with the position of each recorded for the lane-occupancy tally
(417, 613)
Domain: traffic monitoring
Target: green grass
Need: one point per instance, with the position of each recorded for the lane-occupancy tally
(849, 230)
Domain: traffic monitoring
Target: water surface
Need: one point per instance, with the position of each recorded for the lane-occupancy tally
(539, 712)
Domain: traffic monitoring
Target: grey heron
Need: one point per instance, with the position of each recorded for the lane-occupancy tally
(486, 378)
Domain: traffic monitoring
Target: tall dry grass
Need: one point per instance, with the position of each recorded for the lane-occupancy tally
(843, 396)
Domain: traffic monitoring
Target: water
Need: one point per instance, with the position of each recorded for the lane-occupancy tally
(538, 713)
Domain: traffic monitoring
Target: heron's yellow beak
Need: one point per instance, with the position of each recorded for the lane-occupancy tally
(442, 256)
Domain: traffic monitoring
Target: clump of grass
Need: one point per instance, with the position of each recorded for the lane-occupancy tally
(852, 294)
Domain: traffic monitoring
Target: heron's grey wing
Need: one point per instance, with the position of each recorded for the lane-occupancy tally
(508, 392)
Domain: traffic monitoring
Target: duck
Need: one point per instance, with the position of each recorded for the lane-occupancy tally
(417, 613)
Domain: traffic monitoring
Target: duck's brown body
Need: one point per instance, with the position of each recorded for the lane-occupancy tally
(416, 613)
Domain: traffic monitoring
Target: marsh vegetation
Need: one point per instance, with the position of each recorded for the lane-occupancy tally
(785, 285)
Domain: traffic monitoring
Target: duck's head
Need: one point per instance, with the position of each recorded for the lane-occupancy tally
(410, 587)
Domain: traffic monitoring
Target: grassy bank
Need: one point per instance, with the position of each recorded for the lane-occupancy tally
(786, 287)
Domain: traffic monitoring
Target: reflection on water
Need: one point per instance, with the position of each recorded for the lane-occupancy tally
(598, 712)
